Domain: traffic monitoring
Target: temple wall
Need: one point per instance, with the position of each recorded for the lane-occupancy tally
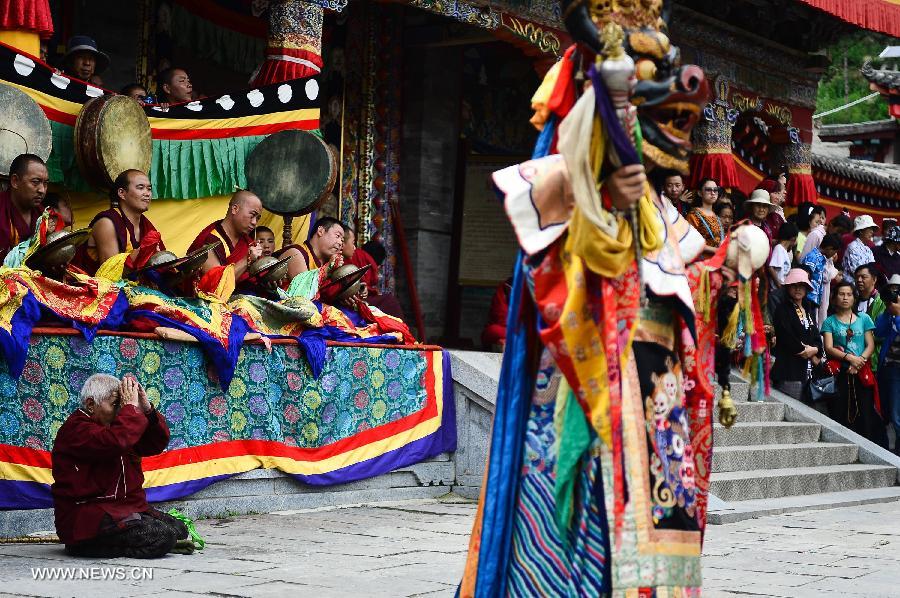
(428, 166)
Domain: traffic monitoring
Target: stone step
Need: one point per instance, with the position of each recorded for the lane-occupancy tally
(775, 483)
(750, 509)
(743, 434)
(740, 391)
(782, 456)
(756, 412)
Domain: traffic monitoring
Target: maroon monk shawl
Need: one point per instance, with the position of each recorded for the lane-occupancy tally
(13, 228)
(125, 236)
(227, 252)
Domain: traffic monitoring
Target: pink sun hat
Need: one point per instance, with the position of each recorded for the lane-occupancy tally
(797, 276)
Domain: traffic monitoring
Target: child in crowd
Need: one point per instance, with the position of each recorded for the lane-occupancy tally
(782, 254)
(823, 272)
(780, 263)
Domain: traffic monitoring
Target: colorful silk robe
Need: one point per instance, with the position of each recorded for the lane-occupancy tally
(596, 484)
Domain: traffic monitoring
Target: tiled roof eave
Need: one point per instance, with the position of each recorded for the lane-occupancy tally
(852, 170)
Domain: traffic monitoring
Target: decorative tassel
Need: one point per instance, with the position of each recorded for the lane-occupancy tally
(745, 371)
(747, 309)
(703, 297)
(760, 379)
(730, 333)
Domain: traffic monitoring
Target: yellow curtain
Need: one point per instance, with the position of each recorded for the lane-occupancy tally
(179, 221)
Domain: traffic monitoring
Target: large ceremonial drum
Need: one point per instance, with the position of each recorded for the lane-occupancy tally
(292, 172)
(24, 128)
(112, 134)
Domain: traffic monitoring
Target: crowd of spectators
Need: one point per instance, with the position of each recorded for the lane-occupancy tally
(830, 291)
(83, 60)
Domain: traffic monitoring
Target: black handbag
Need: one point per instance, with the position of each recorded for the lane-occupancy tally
(821, 385)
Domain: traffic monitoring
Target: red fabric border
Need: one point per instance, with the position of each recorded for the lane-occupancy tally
(27, 15)
(58, 115)
(876, 15)
(718, 167)
(800, 188)
(185, 134)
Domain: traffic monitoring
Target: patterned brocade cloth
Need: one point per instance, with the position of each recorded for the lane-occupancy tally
(371, 411)
(218, 331)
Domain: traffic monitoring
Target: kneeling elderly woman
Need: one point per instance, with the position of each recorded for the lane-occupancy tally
(101, 509)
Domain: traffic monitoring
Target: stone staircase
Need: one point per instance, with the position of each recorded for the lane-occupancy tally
(782, 455)
(772, 462)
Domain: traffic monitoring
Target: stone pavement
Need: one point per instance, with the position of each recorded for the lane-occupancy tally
(418, 548)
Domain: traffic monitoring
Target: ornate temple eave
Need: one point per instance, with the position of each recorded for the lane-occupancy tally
(758, 65)
(543, 12)
(535, 33)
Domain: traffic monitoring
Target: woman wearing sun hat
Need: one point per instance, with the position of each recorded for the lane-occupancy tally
(757, 208)
(798, 345)
(858, 252)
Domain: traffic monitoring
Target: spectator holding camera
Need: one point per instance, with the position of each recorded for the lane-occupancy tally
(887, 328)
(849, 344)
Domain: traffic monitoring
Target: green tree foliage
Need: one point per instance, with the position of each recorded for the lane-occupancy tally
(857, 47)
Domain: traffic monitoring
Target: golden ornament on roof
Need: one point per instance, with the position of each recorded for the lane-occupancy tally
(630, 14)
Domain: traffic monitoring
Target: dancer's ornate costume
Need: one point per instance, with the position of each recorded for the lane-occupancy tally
(598, 473)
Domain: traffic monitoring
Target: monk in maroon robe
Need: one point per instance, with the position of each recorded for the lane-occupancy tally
(326, 240)
(124, 228)
(20, 205)
(235, 230)
(99, 501)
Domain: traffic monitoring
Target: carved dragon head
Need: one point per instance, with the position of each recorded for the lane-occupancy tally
(669, 96)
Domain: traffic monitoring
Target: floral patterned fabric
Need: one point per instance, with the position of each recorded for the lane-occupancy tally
(273, 398)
